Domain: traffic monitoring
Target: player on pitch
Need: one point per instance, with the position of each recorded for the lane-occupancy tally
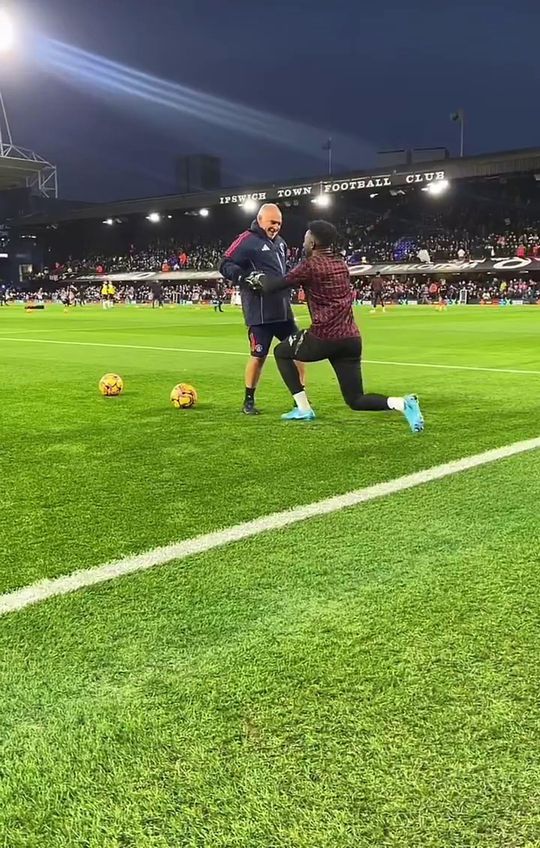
(333, 334)
(267, 315)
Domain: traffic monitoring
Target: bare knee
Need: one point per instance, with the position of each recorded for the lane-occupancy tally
(254, 367)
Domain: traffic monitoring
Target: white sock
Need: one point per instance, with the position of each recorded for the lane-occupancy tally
(397, 403)
(302, 402)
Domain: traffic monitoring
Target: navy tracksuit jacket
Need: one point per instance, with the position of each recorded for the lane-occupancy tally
(254, 251)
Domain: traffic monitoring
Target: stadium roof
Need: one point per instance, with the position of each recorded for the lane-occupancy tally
(20, 168)
(15, 172)
(505, 163)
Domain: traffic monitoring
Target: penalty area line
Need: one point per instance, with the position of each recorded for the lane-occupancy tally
(445, 367)
(43, 590)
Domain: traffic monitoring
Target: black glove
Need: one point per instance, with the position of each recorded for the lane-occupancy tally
(255, 281)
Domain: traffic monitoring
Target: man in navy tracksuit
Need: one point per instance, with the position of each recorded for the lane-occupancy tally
(267, 316)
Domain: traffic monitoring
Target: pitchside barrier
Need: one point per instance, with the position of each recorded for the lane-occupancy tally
(512, 264)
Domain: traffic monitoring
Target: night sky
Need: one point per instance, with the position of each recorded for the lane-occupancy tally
(373, 75)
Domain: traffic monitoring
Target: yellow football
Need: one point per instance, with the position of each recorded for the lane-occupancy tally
(111, 385)
(183, 396)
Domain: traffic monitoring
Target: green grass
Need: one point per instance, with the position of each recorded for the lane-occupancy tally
(365, 679)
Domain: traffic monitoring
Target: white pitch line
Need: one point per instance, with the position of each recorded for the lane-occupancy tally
(45, 589)
(126, 346)
(453, 367)
(20, 330)
(241, 353)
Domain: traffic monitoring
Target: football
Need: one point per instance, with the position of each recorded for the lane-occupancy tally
(111, 385)
(183, 396)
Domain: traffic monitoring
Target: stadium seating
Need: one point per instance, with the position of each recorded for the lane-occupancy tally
(483, 219)
(357, 246)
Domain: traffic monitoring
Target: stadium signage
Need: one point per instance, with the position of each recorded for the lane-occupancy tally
(476, 266)
(240, 198)
(313, 189)
(428, 177)
(512, 263)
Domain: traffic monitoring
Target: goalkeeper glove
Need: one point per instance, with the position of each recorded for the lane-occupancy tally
(255, 280)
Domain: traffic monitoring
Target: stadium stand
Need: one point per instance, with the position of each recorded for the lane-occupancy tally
(480, 219)
(482, 233)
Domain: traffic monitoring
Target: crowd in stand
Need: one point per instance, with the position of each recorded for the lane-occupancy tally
(404, 290)
(453, 246)
(439, 244)
(399, 290)
(501, 220)
(158, 257)
(357, 246)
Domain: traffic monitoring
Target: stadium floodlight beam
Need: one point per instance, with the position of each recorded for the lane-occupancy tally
(97, 73)
(153, 217)
(204, 213)
(7, 31)
(322, 200)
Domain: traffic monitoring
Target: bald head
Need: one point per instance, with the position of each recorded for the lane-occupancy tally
(269, 219)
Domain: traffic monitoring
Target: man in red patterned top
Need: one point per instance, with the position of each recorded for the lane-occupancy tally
(333, 334)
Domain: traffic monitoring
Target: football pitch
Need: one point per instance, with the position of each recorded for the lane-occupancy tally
(364, 678)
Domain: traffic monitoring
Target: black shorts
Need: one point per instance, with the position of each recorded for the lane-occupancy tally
(303, 346)
(261, 336)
